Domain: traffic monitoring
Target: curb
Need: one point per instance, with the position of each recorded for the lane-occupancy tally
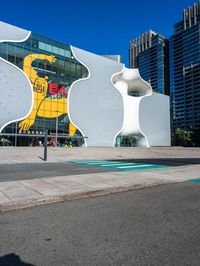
(75, 196)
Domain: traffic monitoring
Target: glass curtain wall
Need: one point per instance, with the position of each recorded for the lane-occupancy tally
(51, 69)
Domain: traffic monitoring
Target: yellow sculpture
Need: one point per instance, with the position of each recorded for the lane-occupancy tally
(43, 106)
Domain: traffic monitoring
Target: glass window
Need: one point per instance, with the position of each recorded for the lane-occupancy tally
(49, 48)
(55, 50)
(67, 53)
(42, 46)
(73, 70)
(35, 43)
(62, 52)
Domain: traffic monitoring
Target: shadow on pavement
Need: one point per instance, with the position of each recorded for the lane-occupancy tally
(165, 161)
(13, 260)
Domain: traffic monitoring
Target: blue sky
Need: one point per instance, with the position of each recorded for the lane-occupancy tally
(102, 27)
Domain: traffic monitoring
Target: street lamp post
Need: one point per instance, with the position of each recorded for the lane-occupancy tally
(56, 130)
(15, 134)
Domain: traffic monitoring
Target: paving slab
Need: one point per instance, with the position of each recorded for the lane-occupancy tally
(43, 187)
(68, 185)
(16, 191)
(4, 199)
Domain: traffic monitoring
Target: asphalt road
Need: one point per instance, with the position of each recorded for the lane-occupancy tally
(153, 226)
(165, 161)
(24, 171)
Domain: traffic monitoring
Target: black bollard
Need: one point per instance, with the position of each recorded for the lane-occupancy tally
(45, 144)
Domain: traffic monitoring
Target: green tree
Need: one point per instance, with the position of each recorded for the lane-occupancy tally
(182, 138)
(196, 138)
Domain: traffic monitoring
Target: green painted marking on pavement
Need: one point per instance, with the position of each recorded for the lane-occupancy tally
(195, 180)
(142, 167)
(89, 162)
(120, 166)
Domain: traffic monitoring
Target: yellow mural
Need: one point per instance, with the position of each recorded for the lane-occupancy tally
(43, 105)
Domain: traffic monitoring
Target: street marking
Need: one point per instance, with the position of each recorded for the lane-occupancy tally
(95, 162)
(120, 166)
(133, 166)
(102, 163)
(116, 164)
(194, 180)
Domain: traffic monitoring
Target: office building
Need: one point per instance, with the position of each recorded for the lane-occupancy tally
(185, 70)
(149, 53)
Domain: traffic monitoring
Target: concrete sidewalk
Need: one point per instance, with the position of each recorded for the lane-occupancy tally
(26, 193)
(11, 155)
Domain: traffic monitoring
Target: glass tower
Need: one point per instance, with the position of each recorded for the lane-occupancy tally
(185, 70)
(149, 53)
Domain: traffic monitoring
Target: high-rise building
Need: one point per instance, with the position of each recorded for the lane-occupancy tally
(149, 53)
(185, 70)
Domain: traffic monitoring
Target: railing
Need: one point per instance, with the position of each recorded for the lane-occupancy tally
(45, 136)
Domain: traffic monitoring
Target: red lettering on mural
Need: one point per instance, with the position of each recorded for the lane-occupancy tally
(55, 89)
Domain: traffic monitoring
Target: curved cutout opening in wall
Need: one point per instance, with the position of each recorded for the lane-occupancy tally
(130, 82)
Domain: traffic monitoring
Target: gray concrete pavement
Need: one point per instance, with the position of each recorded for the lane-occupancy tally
(10, 155)
(154, 226)
(36, 182)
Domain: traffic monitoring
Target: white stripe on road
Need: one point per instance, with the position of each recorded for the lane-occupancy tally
(135, 166)
(106, 163)
(117, 164)
(92, 162)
